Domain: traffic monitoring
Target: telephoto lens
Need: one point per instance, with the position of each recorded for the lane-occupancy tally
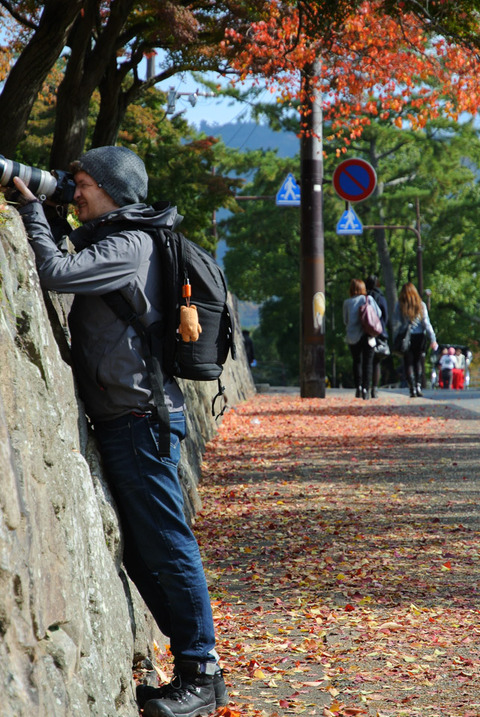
(41, 183)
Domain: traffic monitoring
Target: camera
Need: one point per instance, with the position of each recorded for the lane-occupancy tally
(57, 185)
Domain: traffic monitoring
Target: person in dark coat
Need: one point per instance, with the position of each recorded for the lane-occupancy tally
(249, 348)
(114, 250)
(372, 285)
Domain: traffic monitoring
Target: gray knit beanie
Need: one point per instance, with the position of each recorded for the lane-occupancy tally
(118, 171)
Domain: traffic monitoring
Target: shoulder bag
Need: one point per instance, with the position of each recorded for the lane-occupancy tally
(401, 342)
(369, 319)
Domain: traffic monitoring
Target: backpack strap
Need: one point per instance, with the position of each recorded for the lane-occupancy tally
(220, 394)
(121, 308)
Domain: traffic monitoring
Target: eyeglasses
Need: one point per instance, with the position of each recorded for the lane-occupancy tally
(85, 185)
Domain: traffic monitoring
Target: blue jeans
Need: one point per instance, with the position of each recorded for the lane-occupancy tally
(161, 554)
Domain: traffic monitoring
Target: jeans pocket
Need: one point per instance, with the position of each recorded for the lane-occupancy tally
(177, 433)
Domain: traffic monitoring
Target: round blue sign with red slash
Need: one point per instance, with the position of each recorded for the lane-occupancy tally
(354, 180)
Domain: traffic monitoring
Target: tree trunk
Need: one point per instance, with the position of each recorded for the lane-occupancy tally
(27, 75)
(386, 267)
(85, 68)
(113, 105)
(114, 101)
(71, 124)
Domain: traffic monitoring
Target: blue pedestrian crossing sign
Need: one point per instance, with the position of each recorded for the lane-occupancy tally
(289, 193)
(349, 223)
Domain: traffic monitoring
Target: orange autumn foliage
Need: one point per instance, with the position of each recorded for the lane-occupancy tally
(372, 65)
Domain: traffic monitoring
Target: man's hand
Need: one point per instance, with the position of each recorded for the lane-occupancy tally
(19, 194)
(27, 195)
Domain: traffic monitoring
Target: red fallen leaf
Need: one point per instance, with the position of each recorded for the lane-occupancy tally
(285, 704)
(349, 608)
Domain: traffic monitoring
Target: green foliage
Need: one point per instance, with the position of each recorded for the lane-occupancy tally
(200, 175)
(263, 262)
(437, 165)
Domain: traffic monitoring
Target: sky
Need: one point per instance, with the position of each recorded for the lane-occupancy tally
(210, 109)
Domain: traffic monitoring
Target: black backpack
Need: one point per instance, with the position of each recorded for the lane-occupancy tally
(183, 263)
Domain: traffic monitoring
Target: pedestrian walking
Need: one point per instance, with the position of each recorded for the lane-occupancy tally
(448, 363)
(361, 345)
(381, 348)
(411, 319)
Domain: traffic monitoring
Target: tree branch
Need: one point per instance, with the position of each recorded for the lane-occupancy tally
(391, 151)
(400, 180)
(16, 15)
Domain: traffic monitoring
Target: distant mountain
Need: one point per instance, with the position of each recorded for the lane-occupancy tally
(250, 135)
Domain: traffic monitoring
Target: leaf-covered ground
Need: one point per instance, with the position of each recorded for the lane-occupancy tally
(341, 542)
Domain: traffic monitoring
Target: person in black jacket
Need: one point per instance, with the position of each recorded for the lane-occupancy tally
(114, 251)
(372, 285)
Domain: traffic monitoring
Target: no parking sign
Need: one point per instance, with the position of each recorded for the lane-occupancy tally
(354, 180)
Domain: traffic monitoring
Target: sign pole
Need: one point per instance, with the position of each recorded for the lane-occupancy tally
(312, 261)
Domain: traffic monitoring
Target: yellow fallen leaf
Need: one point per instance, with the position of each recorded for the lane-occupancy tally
(259, 674)
(162, 675)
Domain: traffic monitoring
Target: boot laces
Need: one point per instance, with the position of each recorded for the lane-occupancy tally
(176, 690)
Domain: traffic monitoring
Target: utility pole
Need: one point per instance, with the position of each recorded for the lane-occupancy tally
(312, 261)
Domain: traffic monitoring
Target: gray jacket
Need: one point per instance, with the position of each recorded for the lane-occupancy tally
(351, 316)
(107, 354)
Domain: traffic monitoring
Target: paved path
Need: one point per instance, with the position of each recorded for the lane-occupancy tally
(468, 400)
(342, 545)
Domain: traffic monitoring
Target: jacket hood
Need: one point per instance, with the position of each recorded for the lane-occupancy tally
(162, 214)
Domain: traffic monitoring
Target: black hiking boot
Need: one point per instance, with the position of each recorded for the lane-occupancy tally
(221, 695)
(147, 692)
(191, 693)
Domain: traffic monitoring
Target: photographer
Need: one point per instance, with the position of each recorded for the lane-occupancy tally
(161, 555)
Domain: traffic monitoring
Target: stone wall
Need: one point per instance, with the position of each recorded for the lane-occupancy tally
(70, 620)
